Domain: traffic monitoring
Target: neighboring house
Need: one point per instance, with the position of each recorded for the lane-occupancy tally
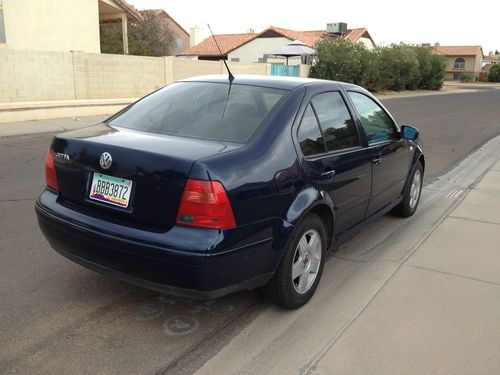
(181, 36)
(55, 25)
(255, 47)
(461, 60)
(489, 61)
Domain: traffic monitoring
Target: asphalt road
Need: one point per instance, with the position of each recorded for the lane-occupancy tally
(57, 317)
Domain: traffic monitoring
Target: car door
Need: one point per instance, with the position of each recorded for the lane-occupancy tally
(389, 153)
(334, 159)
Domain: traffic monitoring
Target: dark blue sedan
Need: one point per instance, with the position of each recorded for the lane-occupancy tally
(206, 187)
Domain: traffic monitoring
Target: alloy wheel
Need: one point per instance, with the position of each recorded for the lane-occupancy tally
(306, 261)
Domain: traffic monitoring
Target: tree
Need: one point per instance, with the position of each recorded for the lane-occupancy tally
(431, 68)
(152, 37)
(397, 67)
(343, 60)
(494, 73)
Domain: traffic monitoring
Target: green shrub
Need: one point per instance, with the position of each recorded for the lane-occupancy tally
(467, 77)
(397, 67)
(341, 60)
(494, 74)
(431, 68)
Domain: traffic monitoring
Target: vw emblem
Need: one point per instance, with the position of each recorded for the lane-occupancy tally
(105, 160)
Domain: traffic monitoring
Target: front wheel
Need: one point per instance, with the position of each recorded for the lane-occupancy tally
(299, 272)
(409, 204)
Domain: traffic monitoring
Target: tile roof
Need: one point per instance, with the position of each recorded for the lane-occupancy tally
(458, 50)
(494, 58)
(130, 10)
(229, 42)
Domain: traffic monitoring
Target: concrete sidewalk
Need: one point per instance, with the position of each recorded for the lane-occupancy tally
(440, 311)
(416, 296)
(57, 109)
(48, 126)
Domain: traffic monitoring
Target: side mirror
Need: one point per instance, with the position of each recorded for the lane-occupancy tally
(409, 132)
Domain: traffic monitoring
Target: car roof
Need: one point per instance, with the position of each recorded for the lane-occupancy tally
(278, 82)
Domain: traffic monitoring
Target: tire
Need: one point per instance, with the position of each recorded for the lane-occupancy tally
(305, 256)
(409, 204)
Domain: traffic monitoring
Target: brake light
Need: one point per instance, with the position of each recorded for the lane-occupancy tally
(205, 204)
(50, 170)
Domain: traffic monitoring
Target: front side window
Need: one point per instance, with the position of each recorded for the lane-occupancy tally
(338, 128)
(2, 24)
(309, 134)
(377, 124)
(459, 63)
(206, 110)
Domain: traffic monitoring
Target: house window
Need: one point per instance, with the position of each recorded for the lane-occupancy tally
(456, 76)
(177, 43)
(2, 27)
(459, 63)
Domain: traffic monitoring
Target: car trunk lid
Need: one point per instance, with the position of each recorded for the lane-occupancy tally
(157, 165)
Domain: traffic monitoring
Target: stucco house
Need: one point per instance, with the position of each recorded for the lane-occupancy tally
(489, 61)
(52, 25)
(256, 47)
(181, 36)
(461, 59)
(71, 25)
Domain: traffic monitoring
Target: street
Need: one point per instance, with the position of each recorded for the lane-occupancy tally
(57, 317)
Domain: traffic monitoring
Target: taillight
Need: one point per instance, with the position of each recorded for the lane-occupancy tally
(205, 204)
(50, 170)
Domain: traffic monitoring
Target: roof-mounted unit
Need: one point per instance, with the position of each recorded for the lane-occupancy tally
(336, 28)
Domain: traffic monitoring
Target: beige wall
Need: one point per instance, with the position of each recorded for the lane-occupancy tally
(251, 51)
(35, 75)
(367, 43)
(41, 75)
(52, 25)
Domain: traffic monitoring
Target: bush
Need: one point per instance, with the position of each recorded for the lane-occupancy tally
(494, 74)
(341, 60)
(431, 68)
(397, 67)
(467, 77)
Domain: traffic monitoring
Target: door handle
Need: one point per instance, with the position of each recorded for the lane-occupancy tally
(376, 160)
(328, 175)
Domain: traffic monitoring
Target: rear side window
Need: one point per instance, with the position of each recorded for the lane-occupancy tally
(205, 110)
(377, 124)
(309, 134)
(335, 120)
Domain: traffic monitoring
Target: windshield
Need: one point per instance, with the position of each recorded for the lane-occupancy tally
(199, 109)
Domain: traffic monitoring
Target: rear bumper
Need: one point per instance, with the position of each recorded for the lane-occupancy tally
(153, 263)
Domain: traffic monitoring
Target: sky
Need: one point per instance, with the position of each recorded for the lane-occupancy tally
(388, 21)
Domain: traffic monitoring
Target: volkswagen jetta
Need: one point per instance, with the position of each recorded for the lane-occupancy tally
(206, 187)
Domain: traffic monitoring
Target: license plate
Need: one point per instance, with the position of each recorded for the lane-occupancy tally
(110, 190)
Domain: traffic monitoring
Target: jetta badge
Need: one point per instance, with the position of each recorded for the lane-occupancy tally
(105, 160)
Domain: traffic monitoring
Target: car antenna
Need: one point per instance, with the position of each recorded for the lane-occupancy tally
(231, 77)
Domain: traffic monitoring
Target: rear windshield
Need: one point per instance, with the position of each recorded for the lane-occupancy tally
(202, 110)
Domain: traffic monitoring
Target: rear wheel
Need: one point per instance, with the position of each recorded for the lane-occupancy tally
(409, 204)
(299, 272)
